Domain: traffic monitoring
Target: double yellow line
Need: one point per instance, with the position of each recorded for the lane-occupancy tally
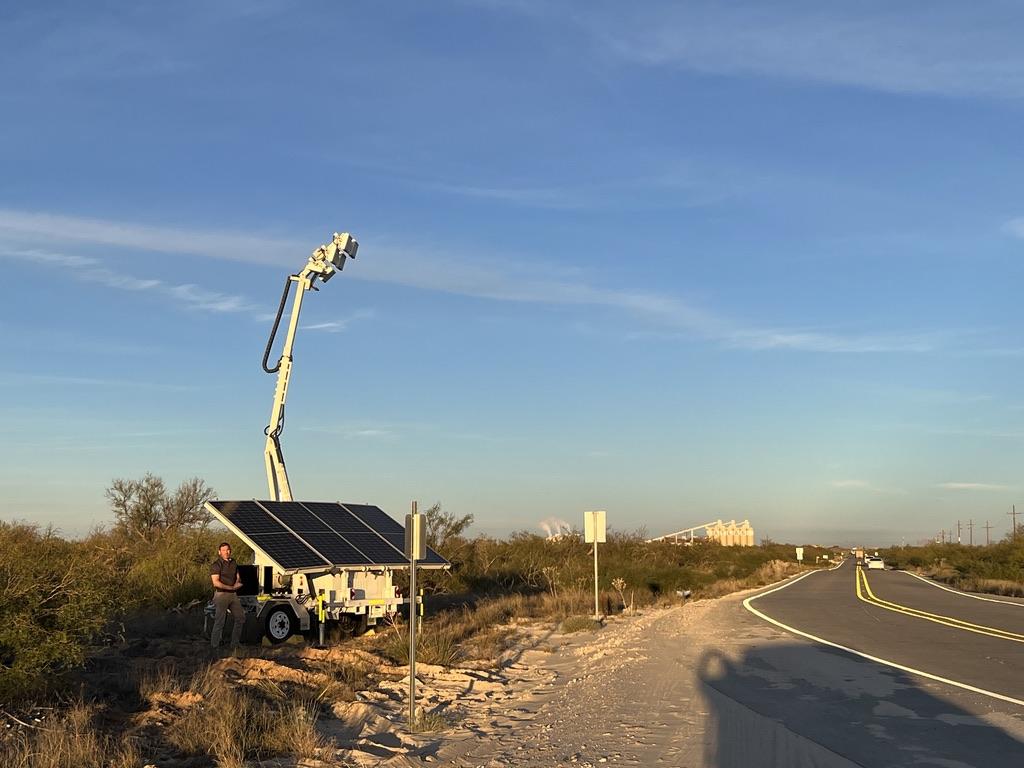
(948, 621)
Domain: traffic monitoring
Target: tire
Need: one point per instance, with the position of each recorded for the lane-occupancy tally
(279, 624)
(353, 624)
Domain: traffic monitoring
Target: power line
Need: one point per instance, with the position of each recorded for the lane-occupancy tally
(987, 528)
(970, 533)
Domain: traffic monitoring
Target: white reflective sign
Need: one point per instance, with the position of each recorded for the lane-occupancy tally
(594, 527)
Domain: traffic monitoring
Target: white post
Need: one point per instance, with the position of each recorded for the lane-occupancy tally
(415, 549)
(594, 531)
(413, 617)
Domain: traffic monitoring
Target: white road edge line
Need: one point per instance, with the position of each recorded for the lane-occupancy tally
(868, 656)
(961, 592)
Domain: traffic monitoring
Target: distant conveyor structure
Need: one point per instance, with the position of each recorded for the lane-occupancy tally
(730, 534)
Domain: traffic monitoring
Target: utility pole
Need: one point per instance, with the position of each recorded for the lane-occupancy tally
(1013, 514)
(958, 539)
(942, 533)
(970, 532)
(987, 528)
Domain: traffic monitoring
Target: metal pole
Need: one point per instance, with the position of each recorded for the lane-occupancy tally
(597, 608)
(414, 615)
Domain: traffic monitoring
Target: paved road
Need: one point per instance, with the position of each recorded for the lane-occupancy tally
(899, 618)
(712, 685)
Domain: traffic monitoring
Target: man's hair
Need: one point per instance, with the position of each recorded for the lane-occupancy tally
(223, 544)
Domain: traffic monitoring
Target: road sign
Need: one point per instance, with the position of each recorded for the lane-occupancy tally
(799, 553)
(594, 527)
(415, 540)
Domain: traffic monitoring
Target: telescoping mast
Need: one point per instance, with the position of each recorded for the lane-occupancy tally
(316, 563)
(322, 265)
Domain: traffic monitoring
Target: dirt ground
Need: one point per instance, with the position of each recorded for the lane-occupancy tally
(629, 693)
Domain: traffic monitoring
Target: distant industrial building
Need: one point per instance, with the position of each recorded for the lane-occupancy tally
(730, 534)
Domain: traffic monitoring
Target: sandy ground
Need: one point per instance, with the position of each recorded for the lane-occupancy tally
(586, 699)
(644, 690)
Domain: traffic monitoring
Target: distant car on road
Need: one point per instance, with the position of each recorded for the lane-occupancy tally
(874, 562)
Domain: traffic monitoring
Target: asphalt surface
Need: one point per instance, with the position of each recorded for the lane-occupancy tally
(826, 605)
(711, 684)
(871, 712)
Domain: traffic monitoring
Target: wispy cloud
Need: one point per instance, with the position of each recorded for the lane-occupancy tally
(947, 48)
(957, 486)
(22, 379)
(337, 326)
(234, 246)
(90, 270)
(1015, 227)
(683, 185)
(351, 432)
(518, 280)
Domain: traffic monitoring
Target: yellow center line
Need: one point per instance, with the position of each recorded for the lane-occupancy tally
(948, 621)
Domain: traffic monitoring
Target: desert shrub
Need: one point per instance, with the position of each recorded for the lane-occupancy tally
(235, 725)
(525, 563)
(56, 596)
(996, 568)
(579, 624)
(71, 741)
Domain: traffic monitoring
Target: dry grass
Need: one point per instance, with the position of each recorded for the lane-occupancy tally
(579, 624)
(234, 725)
(73, 742)
(1004, 587)
(163, 679)
(429, 722)
(768, 573)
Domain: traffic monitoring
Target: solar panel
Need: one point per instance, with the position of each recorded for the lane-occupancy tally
(296, 516)
(312, 534)
(336, 516)
(375, 518)
(287, 551)
(378, 550)
(398, 540)
(248, 516)
(340, 551)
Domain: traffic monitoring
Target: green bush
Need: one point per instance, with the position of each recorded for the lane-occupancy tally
(1001, 564)
(56, 597)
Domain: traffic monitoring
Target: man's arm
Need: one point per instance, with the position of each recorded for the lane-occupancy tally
(215, 578)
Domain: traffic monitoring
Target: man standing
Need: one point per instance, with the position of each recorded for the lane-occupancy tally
(226, 583)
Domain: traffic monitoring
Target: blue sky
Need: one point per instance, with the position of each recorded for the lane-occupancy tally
(680, 261)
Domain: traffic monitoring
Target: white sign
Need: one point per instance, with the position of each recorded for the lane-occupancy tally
(800, 554)
(594, 527)
(415, 540)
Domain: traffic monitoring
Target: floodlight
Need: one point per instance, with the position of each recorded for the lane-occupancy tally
(330, 258)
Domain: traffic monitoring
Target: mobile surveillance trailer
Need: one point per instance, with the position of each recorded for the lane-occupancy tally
(315, 563)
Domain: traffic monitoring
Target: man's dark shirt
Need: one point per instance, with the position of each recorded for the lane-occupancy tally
(227, 570)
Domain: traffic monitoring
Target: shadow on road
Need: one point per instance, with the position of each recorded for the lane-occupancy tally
(792, 705)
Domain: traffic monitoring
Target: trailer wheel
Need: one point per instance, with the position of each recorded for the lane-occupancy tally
(360, 626)
(279, 624)
(353, 624)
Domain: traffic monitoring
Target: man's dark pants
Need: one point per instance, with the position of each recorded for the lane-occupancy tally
(224, 603)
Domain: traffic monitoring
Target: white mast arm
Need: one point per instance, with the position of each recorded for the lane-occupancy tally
(325, 261)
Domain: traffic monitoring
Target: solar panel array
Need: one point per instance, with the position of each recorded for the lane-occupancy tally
(312, 534)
